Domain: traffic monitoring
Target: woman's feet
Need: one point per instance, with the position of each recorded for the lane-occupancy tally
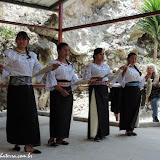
(51, 142)
(134, 134)
(31, 150)
(130, 133)
(16, 148)
(156, 119)
(97, 139)
(61, 141)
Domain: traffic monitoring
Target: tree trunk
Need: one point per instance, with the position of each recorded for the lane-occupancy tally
(155, 50)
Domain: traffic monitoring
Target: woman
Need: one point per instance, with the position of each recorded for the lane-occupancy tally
(22, 120)
(155, 93)
(132, 82)
(98, 120)
(61, 98)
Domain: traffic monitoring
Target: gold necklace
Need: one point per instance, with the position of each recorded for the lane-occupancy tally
(20, 51)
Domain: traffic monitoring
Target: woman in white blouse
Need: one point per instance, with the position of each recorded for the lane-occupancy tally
(22, 120)
(61, 99)
(98, 119)
(131, 82)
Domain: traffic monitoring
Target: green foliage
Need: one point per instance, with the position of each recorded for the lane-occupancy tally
(158, 65)
(6, 32)
(150, 25)
(151, 47)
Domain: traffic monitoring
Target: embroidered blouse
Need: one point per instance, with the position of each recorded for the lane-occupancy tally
(94, 70)
(63, 72)
(17, 64)
(131, 75)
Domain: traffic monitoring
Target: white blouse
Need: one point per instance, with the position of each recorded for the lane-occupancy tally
(131, 75)
(63, 72)
(94, 70)
(17, 64)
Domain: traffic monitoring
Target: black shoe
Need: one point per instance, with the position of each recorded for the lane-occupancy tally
(35, 151)
(128, 133)
(133, 133)
(61, 142)
(156, 119)
(97, 139)
(52, 143)
(16, 148)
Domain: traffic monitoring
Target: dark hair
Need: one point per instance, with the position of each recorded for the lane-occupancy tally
(61, 45)
(131, 54)
(97, 51)
(134, 54)
(24, 36)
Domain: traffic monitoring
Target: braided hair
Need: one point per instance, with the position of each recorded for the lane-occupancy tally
(24, 36)
(131, 54)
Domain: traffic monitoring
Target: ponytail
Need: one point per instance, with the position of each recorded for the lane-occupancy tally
(28, 53)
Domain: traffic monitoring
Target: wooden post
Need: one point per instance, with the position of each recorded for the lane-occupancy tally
(60, 22)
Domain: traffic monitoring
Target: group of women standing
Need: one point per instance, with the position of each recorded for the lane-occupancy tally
(22, 119)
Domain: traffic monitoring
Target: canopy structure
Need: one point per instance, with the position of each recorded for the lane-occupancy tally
(58, 6)
(51, 5)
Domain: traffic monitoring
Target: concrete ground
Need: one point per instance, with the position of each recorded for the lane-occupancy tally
(117, 146)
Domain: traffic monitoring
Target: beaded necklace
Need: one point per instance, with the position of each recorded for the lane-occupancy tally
(20, 51)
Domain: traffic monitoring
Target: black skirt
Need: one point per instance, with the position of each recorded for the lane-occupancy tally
(60, 113)
(22, 119)
(129, 107)
(115, 99)
(101, 97)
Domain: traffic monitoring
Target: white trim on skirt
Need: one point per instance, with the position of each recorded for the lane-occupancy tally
(93, 116)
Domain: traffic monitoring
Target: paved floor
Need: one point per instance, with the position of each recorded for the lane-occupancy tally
(117, 146)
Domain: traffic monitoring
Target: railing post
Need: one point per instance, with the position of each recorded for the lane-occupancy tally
(60, 22)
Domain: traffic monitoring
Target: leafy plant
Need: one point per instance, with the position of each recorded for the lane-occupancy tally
(6, 32)
(151, 25)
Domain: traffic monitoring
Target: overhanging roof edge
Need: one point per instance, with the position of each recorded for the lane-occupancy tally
(51, 8)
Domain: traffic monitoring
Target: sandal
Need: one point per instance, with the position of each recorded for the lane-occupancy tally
(133, 133)
(97, 139)
(128, 133)
(34, 151)
(16, 148)
(61, 142)
(52, 143)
